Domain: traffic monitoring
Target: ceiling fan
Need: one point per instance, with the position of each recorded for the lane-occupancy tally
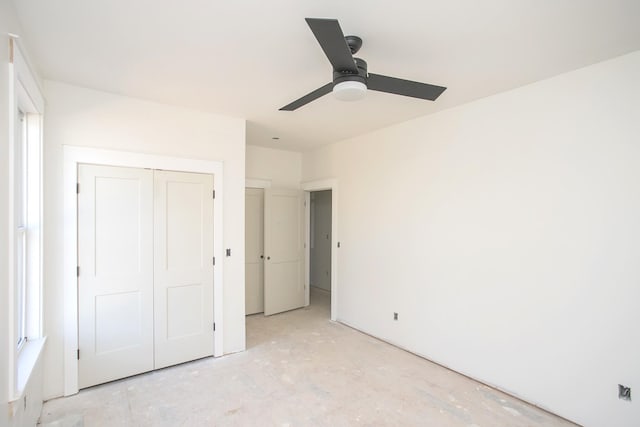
(350, 77)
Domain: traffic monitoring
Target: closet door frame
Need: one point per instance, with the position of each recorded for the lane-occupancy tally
(73, 156)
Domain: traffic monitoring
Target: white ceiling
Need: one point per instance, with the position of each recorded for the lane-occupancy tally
(247, 58)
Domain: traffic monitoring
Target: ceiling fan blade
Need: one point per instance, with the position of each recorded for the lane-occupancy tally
(331, 39)
(308, 98)
(404, 87)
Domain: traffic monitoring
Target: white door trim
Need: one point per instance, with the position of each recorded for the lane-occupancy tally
(324, 184)
(72, 157)
(257, 183)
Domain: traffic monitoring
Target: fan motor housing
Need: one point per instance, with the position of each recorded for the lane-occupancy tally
(341, 76)
(354, 43)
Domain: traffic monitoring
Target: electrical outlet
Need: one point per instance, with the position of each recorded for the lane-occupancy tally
(395, 316)
(624, 392)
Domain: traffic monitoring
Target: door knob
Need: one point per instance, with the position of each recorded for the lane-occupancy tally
(261, 256)
(268, 258)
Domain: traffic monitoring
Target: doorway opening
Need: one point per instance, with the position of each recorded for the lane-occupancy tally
(316, 186)
(320, 238)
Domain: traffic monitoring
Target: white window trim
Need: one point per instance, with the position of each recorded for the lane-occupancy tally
(77, 155)
(25, 94)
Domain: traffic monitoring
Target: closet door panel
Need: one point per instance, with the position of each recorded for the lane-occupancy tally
(183, 267)
(284, 250)
(115, 282)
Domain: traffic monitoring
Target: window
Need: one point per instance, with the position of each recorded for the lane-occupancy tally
(25, 255)
(26, 164)
(20, 221)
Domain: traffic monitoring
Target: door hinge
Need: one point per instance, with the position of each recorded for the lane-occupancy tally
(214, 326)
(214, 260)
(214, 194)
(77, 188)
(78, 271)
(78, 354)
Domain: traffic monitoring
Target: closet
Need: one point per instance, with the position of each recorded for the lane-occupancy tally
(145, 270)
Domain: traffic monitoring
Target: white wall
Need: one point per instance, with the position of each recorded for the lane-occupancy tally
(82, 117)
(283, 168)
(320, 245)
(506, 234)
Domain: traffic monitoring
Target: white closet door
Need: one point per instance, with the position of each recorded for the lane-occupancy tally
(254, 250)
(183, 267)
(115, 283)
(283, 243)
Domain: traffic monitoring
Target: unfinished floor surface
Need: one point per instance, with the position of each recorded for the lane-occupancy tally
(300, 369)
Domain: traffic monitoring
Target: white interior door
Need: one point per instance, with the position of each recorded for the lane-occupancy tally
(115, 281)
(283, 243)
(254, 250)
(183, 267)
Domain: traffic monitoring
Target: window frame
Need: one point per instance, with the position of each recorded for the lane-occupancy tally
(25, 220)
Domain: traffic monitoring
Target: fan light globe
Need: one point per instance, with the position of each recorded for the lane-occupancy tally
(349, 91)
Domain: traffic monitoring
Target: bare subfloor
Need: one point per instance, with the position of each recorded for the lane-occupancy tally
(300, 369)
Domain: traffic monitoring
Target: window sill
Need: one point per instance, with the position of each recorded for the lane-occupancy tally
(27, 360)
